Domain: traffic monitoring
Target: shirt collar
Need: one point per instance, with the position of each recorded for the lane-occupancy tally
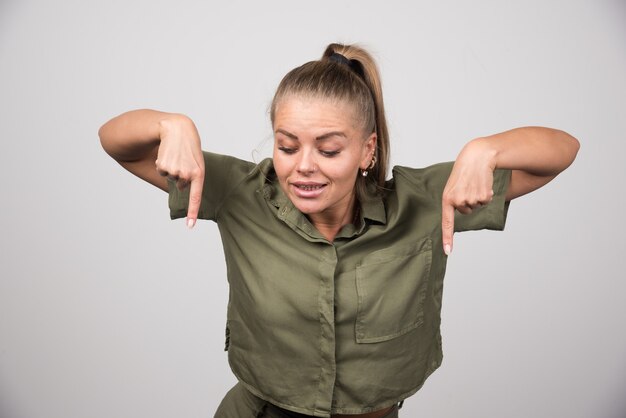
(372, 208)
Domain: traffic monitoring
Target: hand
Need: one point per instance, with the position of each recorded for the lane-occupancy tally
(180, 159)
(470, 186)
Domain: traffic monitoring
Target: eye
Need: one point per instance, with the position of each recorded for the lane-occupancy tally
(287, 150)
(329, 153)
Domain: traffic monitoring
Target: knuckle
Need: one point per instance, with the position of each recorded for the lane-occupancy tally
(461, 203)
(161, 162)
(196, 172)
(450, 199)
(183, 173)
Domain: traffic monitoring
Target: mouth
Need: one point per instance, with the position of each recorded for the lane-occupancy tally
(307, 190)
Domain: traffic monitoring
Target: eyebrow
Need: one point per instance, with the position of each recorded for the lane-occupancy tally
(319, 138)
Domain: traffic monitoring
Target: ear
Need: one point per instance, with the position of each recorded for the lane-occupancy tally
(369, 150)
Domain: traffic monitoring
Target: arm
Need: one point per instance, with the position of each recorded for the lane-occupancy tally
(534, 155)
(155, 146)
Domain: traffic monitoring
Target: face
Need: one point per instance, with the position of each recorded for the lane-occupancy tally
(319, 147)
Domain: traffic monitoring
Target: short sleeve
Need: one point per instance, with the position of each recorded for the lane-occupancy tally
(222, 176)
(429, 183)
(491, 216)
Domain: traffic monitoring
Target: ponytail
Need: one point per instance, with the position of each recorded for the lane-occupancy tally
(364, 65)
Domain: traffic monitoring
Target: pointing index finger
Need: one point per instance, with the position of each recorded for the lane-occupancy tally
(447, 227)
(195, 197)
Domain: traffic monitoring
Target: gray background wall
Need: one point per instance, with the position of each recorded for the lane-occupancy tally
(108, 309)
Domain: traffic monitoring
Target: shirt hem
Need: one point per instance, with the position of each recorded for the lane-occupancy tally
(323, 414)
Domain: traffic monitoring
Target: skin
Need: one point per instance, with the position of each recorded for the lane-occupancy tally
(319, 149)
(156, 145)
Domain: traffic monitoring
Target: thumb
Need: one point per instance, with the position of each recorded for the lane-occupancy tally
(195, 197)
(447, 227)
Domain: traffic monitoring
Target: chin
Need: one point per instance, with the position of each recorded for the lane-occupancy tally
(308, 208)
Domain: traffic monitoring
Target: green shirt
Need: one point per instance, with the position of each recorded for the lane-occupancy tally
(348, 326)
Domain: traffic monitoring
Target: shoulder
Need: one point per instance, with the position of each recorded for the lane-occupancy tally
(216, 161)
(427, 179)
(423, 174)
(229, 169)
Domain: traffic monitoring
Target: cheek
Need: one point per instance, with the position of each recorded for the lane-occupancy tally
(344, 172)
(281, 167)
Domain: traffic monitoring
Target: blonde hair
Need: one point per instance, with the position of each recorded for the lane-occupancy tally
(356, 81)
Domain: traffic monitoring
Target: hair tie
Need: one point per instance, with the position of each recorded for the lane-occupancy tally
(340, 59)
(353, 65)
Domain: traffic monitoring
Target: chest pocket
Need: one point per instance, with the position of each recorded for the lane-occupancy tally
(391, 289)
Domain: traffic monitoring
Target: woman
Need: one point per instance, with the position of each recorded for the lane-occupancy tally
(335, 272)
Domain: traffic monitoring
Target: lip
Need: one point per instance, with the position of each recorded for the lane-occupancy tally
(307, 189)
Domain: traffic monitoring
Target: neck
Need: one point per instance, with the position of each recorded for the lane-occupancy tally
(329, 224)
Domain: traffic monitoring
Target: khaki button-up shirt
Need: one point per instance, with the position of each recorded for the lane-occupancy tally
(348, 326)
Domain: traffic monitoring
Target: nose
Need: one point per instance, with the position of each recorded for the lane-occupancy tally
(306, 164)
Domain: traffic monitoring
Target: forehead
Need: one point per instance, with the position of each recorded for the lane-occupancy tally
(315, 113)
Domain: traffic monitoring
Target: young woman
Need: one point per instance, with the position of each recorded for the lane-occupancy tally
(335, 271)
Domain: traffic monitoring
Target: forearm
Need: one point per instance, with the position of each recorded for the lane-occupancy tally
(542, 152)
(134, 135)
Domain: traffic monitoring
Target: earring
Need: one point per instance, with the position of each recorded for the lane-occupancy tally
(373, 163)
(364, 173)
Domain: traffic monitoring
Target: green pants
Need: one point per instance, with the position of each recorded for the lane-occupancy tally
(240, 403)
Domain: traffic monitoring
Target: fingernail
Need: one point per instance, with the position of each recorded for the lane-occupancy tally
(191, 223)
(447, 249)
